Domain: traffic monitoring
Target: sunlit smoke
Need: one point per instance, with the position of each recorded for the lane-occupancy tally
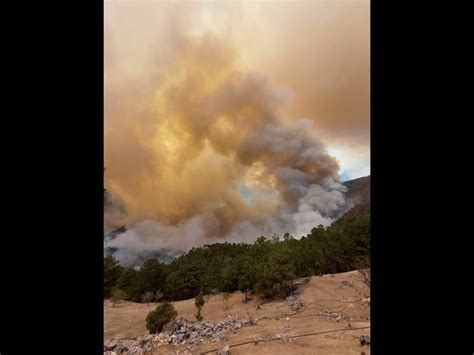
(187, 129)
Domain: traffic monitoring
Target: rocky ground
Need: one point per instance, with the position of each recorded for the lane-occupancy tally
(179, 332)
(326, 315)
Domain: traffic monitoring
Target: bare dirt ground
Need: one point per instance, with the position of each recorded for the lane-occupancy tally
(342, 293)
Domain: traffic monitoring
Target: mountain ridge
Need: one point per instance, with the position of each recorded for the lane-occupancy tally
(357, 196)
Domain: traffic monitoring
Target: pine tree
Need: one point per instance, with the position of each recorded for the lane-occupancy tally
(199, 302)
(112, 272)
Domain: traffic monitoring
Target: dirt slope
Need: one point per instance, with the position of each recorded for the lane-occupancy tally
(341, 293)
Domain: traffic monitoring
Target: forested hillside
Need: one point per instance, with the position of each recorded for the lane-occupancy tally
(266, 267)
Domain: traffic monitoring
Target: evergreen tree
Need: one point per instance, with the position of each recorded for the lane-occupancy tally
(199, 302)
(152, 275)
(275, 276)
(131, 284)
(112, 272)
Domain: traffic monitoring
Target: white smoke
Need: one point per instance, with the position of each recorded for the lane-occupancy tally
(316, 204)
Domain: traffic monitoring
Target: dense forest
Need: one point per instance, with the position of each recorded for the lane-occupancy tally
(266, 267)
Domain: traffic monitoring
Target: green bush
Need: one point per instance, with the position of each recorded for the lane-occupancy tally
(163, 314)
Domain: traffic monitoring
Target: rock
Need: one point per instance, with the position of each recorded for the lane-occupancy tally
(294, 302)
(143, 343)
(224, 351)
(179, 332)
(364, 340)
(110, 345)
(168, 327)
(285, 337)
(331, 315)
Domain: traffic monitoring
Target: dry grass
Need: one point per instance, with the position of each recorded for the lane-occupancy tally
(319, 293)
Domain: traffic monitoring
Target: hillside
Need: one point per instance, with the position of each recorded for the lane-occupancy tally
(358, 196)
(331, 302)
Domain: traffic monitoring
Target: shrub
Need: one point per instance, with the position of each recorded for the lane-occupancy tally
(163, 314)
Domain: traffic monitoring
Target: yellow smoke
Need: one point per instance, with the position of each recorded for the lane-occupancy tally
(188, 124)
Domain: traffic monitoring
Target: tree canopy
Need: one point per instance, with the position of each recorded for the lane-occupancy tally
(266, 267)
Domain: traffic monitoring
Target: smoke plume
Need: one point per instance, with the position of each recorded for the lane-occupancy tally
(198, 150)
